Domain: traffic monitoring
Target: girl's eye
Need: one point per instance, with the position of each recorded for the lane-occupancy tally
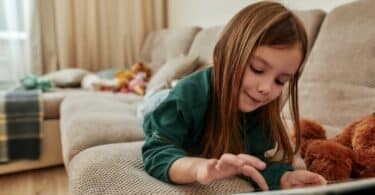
(255, 70)
(279, 82)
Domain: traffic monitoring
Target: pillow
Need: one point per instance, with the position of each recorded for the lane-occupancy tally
(70, 77)
(173, 69)
(163, 45)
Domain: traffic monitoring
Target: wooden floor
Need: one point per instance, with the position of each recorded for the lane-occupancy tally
(47, 181)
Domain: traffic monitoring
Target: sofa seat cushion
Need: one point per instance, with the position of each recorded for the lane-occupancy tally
(118, 169)
(52, 99)
(98, 118)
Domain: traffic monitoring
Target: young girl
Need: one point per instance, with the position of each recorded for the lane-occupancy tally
(219, 122)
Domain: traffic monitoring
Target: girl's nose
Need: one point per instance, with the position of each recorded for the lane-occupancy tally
(264, 88)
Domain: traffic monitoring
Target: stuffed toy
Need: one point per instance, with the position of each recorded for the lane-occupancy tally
(351, 154)
(135, 79)
(138, 84)
(123, 78)
(33, 81)
(126, 81)
(141, 67)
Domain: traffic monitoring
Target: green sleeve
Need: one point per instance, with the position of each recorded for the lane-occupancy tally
(165, 129)
(272, 174)
(158, 156)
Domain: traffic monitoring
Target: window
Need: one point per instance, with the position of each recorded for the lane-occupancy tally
(14, 38)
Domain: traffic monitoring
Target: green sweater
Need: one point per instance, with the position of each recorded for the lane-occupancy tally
(176, 126)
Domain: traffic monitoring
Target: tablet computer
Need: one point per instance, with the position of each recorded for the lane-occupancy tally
(358, 186)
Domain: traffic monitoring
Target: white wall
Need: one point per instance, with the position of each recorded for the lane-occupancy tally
(206, 13)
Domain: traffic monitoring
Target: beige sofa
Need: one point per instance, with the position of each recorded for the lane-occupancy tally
(102, 138)
(51, 150)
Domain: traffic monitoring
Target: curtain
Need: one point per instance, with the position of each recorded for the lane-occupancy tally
(92, 34)
(15, 45)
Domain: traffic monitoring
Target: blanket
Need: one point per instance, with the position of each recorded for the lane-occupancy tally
(21, 114)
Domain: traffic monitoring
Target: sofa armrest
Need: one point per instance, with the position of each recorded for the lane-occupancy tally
(97, 119)
(121, 171)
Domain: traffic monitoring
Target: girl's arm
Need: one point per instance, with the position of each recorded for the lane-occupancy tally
(184, 170)
(204, 171)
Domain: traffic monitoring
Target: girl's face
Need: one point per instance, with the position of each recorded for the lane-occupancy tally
(264, 78)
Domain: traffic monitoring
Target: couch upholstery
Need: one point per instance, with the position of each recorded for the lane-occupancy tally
(337, 86)
(101, 135)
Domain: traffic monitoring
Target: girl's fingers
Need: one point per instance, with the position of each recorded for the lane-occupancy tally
(252, 161)
(255, 175)
(318, 179)
(229, 159)
(310, 178)
(208, 175)
(313, 178)
(211, 164)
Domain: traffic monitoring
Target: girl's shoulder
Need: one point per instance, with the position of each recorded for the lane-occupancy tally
(194, 89)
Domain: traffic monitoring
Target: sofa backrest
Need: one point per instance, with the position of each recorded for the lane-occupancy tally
(159, 46)
(204, 42)
(337, 85)
(312, 19)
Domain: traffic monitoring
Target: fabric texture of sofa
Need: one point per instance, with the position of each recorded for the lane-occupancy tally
(102, 137)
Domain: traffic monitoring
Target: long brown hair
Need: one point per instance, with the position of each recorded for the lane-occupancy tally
(263, 23)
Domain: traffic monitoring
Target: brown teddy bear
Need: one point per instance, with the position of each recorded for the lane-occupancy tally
(350, 154)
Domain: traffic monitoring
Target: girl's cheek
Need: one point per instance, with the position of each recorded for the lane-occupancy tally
(277, 92)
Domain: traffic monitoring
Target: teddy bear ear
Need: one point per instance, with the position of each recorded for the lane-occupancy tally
(311, 129)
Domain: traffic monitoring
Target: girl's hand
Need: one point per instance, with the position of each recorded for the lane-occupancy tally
(300, 178)
(231, 165)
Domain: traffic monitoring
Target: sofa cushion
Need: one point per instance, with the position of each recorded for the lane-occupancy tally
(121, 171)
(166, 44)
(173, 69)
(337, 85)
(98, 118)
(52, 100)
(70, 77)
